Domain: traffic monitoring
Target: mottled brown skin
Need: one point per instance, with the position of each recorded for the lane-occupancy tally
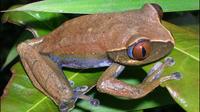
(94, 35)
(100, 37)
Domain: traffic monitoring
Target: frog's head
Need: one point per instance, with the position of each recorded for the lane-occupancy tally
(151, 41)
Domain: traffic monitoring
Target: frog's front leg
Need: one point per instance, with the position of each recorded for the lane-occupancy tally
(109, 84)
(45, 74)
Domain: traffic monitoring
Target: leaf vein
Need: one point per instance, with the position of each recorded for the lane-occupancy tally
(36, 104)
(187, 53)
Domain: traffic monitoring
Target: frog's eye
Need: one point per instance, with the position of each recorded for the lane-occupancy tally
(140, 50)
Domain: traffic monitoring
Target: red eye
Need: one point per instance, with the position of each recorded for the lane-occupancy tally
(141, 50)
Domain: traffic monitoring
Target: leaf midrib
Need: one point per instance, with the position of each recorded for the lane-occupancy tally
(186, 53)
(37, 104)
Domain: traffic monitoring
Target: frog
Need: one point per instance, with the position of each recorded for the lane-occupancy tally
(113, 40)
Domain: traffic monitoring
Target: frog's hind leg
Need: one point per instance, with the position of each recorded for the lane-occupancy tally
(109, 84)
(46, 75)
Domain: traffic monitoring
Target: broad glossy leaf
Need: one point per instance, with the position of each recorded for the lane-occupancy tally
(99, 6)
(21, 96)
(40, 22)
(186, 54)
(20, 101)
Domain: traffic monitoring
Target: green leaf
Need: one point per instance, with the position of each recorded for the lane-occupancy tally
(32, 100)
(186, 54)
(102, 6)
(39, 23)
(187, 42)
(21, 96)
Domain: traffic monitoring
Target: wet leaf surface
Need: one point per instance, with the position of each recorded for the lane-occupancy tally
(186, 53)
(96, 6)
(20, 95)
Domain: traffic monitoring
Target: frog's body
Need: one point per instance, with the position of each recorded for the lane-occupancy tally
(92, 41)
(84, 43)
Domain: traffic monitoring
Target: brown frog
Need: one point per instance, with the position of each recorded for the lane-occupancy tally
(115, 40)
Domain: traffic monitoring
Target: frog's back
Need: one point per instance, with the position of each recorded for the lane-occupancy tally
(82, 42)
(89, 37)
(90, 34)
(98, 33)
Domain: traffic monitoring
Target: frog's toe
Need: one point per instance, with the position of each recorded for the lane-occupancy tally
(79, 93)
(66, 106)
(154, 68)
(173, 76)
(157, 69)
(155, 72)
(169, 61)
(71, 83)
(176, 75)
(157, 76)
(81, 89)
(63, 107)
(94, 102)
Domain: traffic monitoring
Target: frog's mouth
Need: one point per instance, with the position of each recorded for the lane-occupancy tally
(159, 50)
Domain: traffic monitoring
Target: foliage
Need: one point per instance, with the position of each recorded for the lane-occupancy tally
(20, 95)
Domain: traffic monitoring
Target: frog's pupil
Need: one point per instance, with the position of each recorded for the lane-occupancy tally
(143, 52)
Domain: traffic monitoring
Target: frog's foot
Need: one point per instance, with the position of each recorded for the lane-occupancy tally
(94, 102)
(158, 68)
(79, 93)
(66, 106)
(71, 83)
